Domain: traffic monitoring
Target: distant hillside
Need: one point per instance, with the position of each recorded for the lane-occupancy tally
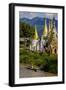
(39, 22)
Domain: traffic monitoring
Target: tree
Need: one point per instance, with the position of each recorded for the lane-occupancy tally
(26, 30)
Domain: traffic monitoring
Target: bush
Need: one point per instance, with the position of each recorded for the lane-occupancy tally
(24, 59)
(50, 64)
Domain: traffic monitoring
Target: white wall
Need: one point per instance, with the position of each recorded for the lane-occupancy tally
(4, 44)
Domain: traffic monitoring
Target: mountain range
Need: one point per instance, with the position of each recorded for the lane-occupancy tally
(39, 22)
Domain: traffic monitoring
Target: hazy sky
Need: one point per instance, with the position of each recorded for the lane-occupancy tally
(31, 15)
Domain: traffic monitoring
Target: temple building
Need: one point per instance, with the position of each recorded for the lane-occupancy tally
(44, 36)
(54, 43)
(39, 44)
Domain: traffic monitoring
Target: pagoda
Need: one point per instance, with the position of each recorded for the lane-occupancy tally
(35, 41)
(44, 35)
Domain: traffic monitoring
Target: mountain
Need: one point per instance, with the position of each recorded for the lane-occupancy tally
(39, 22)
(34, 21)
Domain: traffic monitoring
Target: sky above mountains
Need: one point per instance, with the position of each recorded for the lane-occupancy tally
(30, 15)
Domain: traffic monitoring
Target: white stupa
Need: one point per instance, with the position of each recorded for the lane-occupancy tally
(44, 35)
(35, 41)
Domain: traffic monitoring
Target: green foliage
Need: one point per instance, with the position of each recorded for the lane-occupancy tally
(26, 30)
(50, 64)
(44, 61)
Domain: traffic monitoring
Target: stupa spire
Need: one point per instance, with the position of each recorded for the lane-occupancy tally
(54, 28)
(35, 37)
(45, 31)
(50, 25)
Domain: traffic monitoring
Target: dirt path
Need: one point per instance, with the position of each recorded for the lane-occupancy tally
(24, 72)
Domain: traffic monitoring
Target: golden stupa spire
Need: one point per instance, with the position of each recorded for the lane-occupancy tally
(45, 31)
(35, 37)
